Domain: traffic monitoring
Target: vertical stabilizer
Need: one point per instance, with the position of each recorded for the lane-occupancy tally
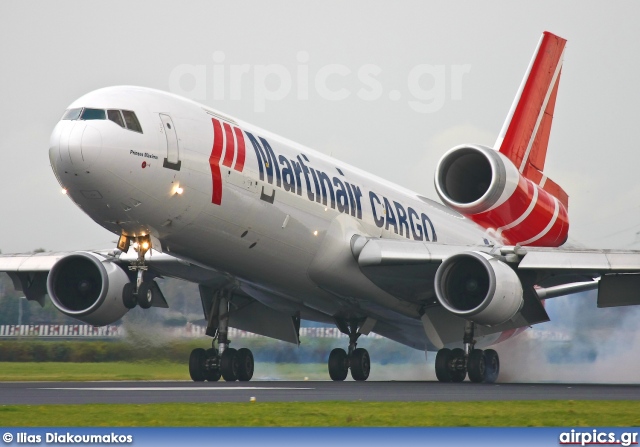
(525, 134)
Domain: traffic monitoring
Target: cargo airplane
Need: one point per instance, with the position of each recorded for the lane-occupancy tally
(274, 232)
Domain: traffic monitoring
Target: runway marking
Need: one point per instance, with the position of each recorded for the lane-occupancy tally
(177, 388)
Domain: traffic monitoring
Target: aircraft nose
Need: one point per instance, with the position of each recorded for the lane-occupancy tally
(78, 144)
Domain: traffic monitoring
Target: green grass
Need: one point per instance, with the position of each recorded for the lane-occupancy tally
(67, 371)
(330, 414)
(63, 371)
(150, 370)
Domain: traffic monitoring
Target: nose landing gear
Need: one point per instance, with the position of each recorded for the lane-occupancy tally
(142, 293)
(453, 365)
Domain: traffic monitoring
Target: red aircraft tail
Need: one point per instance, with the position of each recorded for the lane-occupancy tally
(525, 133)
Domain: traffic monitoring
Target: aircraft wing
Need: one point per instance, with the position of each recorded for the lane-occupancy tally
(408, 270)
(29, 273)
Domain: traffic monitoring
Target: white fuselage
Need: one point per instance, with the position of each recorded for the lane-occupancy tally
(275, 208)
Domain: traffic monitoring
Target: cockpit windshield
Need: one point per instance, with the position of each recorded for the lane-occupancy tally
(124, 118)
(93, 114)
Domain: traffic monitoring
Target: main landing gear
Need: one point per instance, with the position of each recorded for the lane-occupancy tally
(357, 359)
(221, 361)
(452, 365)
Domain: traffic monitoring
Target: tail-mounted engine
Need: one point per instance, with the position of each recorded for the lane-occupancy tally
(479, 288)
(88, 287)
(486, 187)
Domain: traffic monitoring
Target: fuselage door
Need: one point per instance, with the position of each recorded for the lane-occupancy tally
(172, 161)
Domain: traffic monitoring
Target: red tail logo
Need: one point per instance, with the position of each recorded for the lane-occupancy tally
(525, 134)
(229, 140)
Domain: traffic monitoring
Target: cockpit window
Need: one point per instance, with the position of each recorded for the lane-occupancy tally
(93, 114)
(71, 114)
(131, 120)
(116, 117)
(123, 118)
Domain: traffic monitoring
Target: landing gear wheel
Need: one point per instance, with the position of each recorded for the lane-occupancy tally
(244, 359)
(212, 375)
(229, 365)
(128, 298)
(360, 364)
(145, 295)
(477, 366)
(492, 365)
(338, 364)
(458, 372)
(196, 365)
(443, 358)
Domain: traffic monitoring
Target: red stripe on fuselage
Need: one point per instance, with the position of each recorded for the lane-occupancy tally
(241, 154)
(214, 162)
(230, 147)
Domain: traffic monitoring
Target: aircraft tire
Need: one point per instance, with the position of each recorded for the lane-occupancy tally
(229, 365)
(128, 298)
(443, 357)
(196, 365)
(492, 365)
(212, 375)
(360, 364)
(458, 375)
(477, 366)
(145, 295)
(338, 364)
(244, 358)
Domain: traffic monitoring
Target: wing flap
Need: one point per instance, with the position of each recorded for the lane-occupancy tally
(598, 261)
(38, 262)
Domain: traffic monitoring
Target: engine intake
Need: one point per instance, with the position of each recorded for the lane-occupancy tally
(479, 288)
(88, 287)
(484, 185)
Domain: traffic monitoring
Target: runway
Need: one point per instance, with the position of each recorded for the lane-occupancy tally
(38, 393)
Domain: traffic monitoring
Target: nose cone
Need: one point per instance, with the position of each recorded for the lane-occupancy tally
(91, 145)
(74, 146)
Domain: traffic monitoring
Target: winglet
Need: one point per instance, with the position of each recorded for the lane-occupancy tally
(525, 134)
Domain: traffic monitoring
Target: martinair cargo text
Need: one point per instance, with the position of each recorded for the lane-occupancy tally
(273, 233)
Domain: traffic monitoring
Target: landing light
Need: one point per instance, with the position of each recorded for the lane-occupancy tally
(145, 245)
(315, 233)
(64, 190)
(179, 190)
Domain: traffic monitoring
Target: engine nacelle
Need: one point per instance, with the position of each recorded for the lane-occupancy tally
(479, 288)
(88, 287)
(485, 186)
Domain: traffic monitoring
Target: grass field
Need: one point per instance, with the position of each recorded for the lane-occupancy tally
(329, 414)
(68, 371)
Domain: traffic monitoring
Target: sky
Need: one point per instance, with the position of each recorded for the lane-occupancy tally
(385, 86)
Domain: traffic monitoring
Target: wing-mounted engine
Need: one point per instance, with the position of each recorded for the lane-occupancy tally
(485, 186)
(88, 287)
(478, 287)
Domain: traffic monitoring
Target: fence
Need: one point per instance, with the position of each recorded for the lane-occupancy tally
(190, 330)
